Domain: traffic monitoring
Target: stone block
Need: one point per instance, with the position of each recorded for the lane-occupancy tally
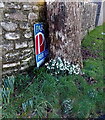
(35, 8)
(27, 7)
(8, 46)
(16, 16)
(31, 44)
(1, 5)
(28, 34)
(26, 53)
(24, 26)
(12, 56)
(9, 26)
(12, 5)
(8, 71)
(9, 65)
(33, 16)
(24, 67)
(20, 45)
(27, 59)
(12, 36)
(26, 50)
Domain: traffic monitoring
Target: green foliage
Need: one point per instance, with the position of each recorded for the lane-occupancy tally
(70, 96)
(95, 42)
(7, 89)
(21, 81)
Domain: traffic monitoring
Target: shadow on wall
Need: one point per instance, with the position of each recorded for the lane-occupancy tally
(98, 12)
(100, 17)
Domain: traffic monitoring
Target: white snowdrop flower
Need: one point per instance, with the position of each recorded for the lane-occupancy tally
(52, 67)
(68, 64)
(48, 67)
(79, 69)
(50, 60)
(54, 60)
(46, 64)
(59, 59)
(57, 66)
(53, 64)
(83, 73)
(64, 60)
(56, 73)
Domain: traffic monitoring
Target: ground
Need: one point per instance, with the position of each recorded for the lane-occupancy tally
(38, 94)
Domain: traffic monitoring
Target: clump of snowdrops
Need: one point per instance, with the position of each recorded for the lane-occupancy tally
(67, 107)
(59, 66)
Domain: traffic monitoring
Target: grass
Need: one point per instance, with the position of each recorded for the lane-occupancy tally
(74, 96)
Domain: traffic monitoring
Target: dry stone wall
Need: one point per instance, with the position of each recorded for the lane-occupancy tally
(88, 16)
(17, 35)
(68, 24)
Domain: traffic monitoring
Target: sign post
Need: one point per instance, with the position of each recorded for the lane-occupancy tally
(41, 50)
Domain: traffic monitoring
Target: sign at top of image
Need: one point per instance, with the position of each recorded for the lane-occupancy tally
(40, 44)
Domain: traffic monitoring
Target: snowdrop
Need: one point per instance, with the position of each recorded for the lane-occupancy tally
(46, 64)
(48, 67)
(59, 66)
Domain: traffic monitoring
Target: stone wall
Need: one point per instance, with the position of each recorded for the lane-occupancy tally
(68, 24)
(17, 35)
(88, 16)
(102, 14)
